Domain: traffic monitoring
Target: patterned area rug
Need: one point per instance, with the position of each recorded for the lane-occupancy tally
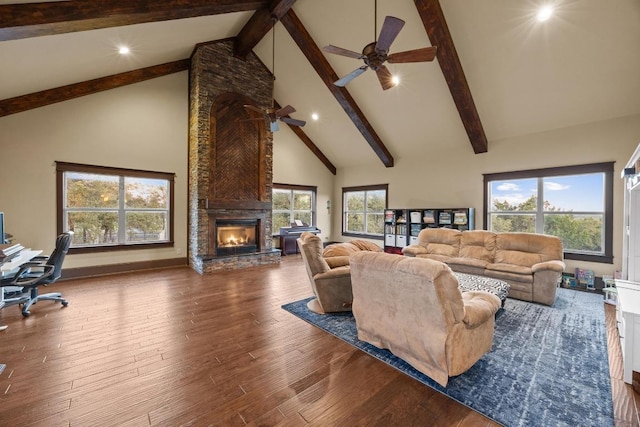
(548, 365)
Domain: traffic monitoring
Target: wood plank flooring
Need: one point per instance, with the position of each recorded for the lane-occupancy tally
(171, 347)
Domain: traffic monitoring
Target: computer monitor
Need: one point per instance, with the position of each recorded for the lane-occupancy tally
(2, 240)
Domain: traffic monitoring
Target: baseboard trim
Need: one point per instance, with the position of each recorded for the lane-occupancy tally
(102, 270)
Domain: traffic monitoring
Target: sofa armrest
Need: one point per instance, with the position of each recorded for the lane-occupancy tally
(337, 261)
(414, 250)
(334, 273)
(555, 265)
(479, 307)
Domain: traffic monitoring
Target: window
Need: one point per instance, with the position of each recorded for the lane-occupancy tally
(111, 208)
(291, 203)
(363, 211)
(574, 203)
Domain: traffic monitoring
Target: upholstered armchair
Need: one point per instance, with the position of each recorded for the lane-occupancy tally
(331, 286)
(414, 308)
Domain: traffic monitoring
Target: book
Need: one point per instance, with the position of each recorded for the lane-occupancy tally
(428, 217)
(444, 217)
(460, 218)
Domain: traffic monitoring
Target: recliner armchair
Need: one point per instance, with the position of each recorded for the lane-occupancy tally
(41, 271)
(331, 286)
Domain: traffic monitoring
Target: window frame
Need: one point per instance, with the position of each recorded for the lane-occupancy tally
(365, 188)
(292, 188)
(62, 167)
(606, 168)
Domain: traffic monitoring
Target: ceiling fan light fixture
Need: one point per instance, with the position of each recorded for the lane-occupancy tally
(395, 80)
(124, 50)
(315, 117)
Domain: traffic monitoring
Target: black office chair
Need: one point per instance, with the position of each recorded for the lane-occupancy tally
(41, 271)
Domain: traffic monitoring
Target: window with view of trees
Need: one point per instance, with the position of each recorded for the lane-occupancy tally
(363, 210)
(110, 207)
(573, 203)
(292, 202)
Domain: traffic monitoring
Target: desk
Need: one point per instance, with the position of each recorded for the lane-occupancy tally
(11, 267)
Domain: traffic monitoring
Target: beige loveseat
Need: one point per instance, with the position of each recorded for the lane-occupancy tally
(414, 308)
(532, 264)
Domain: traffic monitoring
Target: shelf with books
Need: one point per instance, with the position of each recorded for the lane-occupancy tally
(402, 226)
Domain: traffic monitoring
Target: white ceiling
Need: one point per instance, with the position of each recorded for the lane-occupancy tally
(580, 66)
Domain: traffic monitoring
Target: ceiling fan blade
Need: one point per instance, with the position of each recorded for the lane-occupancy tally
(293, 122)
(418, 55)
(385, 78)
(344, 52)
(274, 126)
(390, 30)
(352, 75)
(285, 111)
(254, 108)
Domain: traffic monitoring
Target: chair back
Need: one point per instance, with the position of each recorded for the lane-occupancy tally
(63, 241)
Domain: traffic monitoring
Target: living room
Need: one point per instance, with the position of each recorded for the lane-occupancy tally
(563, 107)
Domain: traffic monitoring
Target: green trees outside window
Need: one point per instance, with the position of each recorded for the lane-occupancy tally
(363, 212)
(573, 203)
(291, 203)
(112, 209)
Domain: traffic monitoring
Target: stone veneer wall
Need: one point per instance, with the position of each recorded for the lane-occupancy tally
(214, 71)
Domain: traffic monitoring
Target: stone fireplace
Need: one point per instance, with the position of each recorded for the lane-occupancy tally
(230, 161)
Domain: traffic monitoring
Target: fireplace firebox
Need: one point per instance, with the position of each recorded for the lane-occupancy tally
(236, 236)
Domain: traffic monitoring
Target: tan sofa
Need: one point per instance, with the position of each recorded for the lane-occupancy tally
(414, 308)
(532, 264)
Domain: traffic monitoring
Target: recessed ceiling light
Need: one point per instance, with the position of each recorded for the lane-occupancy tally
(395, 80)
(315, 116)
(123, 50)
(544, 13)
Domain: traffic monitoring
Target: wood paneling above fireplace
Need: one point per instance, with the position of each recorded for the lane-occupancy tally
(238, 154)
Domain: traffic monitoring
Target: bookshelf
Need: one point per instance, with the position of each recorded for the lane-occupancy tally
(402, 226)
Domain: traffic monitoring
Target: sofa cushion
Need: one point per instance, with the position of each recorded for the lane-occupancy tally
(440, 241)
(526, 249)
(347, 248)
(478, 245)
(509, 275)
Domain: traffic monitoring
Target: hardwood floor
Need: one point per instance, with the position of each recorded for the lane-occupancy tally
(171, 347)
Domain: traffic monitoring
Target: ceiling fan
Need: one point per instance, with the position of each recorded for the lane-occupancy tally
(274, 114)
(375, 54)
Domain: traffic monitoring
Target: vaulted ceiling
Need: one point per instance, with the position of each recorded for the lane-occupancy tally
(498, 74)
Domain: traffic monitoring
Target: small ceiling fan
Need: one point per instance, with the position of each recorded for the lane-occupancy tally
(375, 54)
(274, 114)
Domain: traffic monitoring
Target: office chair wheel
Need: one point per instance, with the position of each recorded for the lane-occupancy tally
(64, 303)
(26, 313)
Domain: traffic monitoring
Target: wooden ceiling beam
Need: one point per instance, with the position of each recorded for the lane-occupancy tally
(309, 143)
(18, 21)
(315, 57)
(258, 26)
(438, 31)
(76, 90)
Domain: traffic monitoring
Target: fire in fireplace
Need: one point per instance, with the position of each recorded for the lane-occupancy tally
(235, 237)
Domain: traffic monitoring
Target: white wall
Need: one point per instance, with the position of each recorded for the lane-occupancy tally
(140, 126)
(455, 178)
(294, 163)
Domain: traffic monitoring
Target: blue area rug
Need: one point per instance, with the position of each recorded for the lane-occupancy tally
(548, 365)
